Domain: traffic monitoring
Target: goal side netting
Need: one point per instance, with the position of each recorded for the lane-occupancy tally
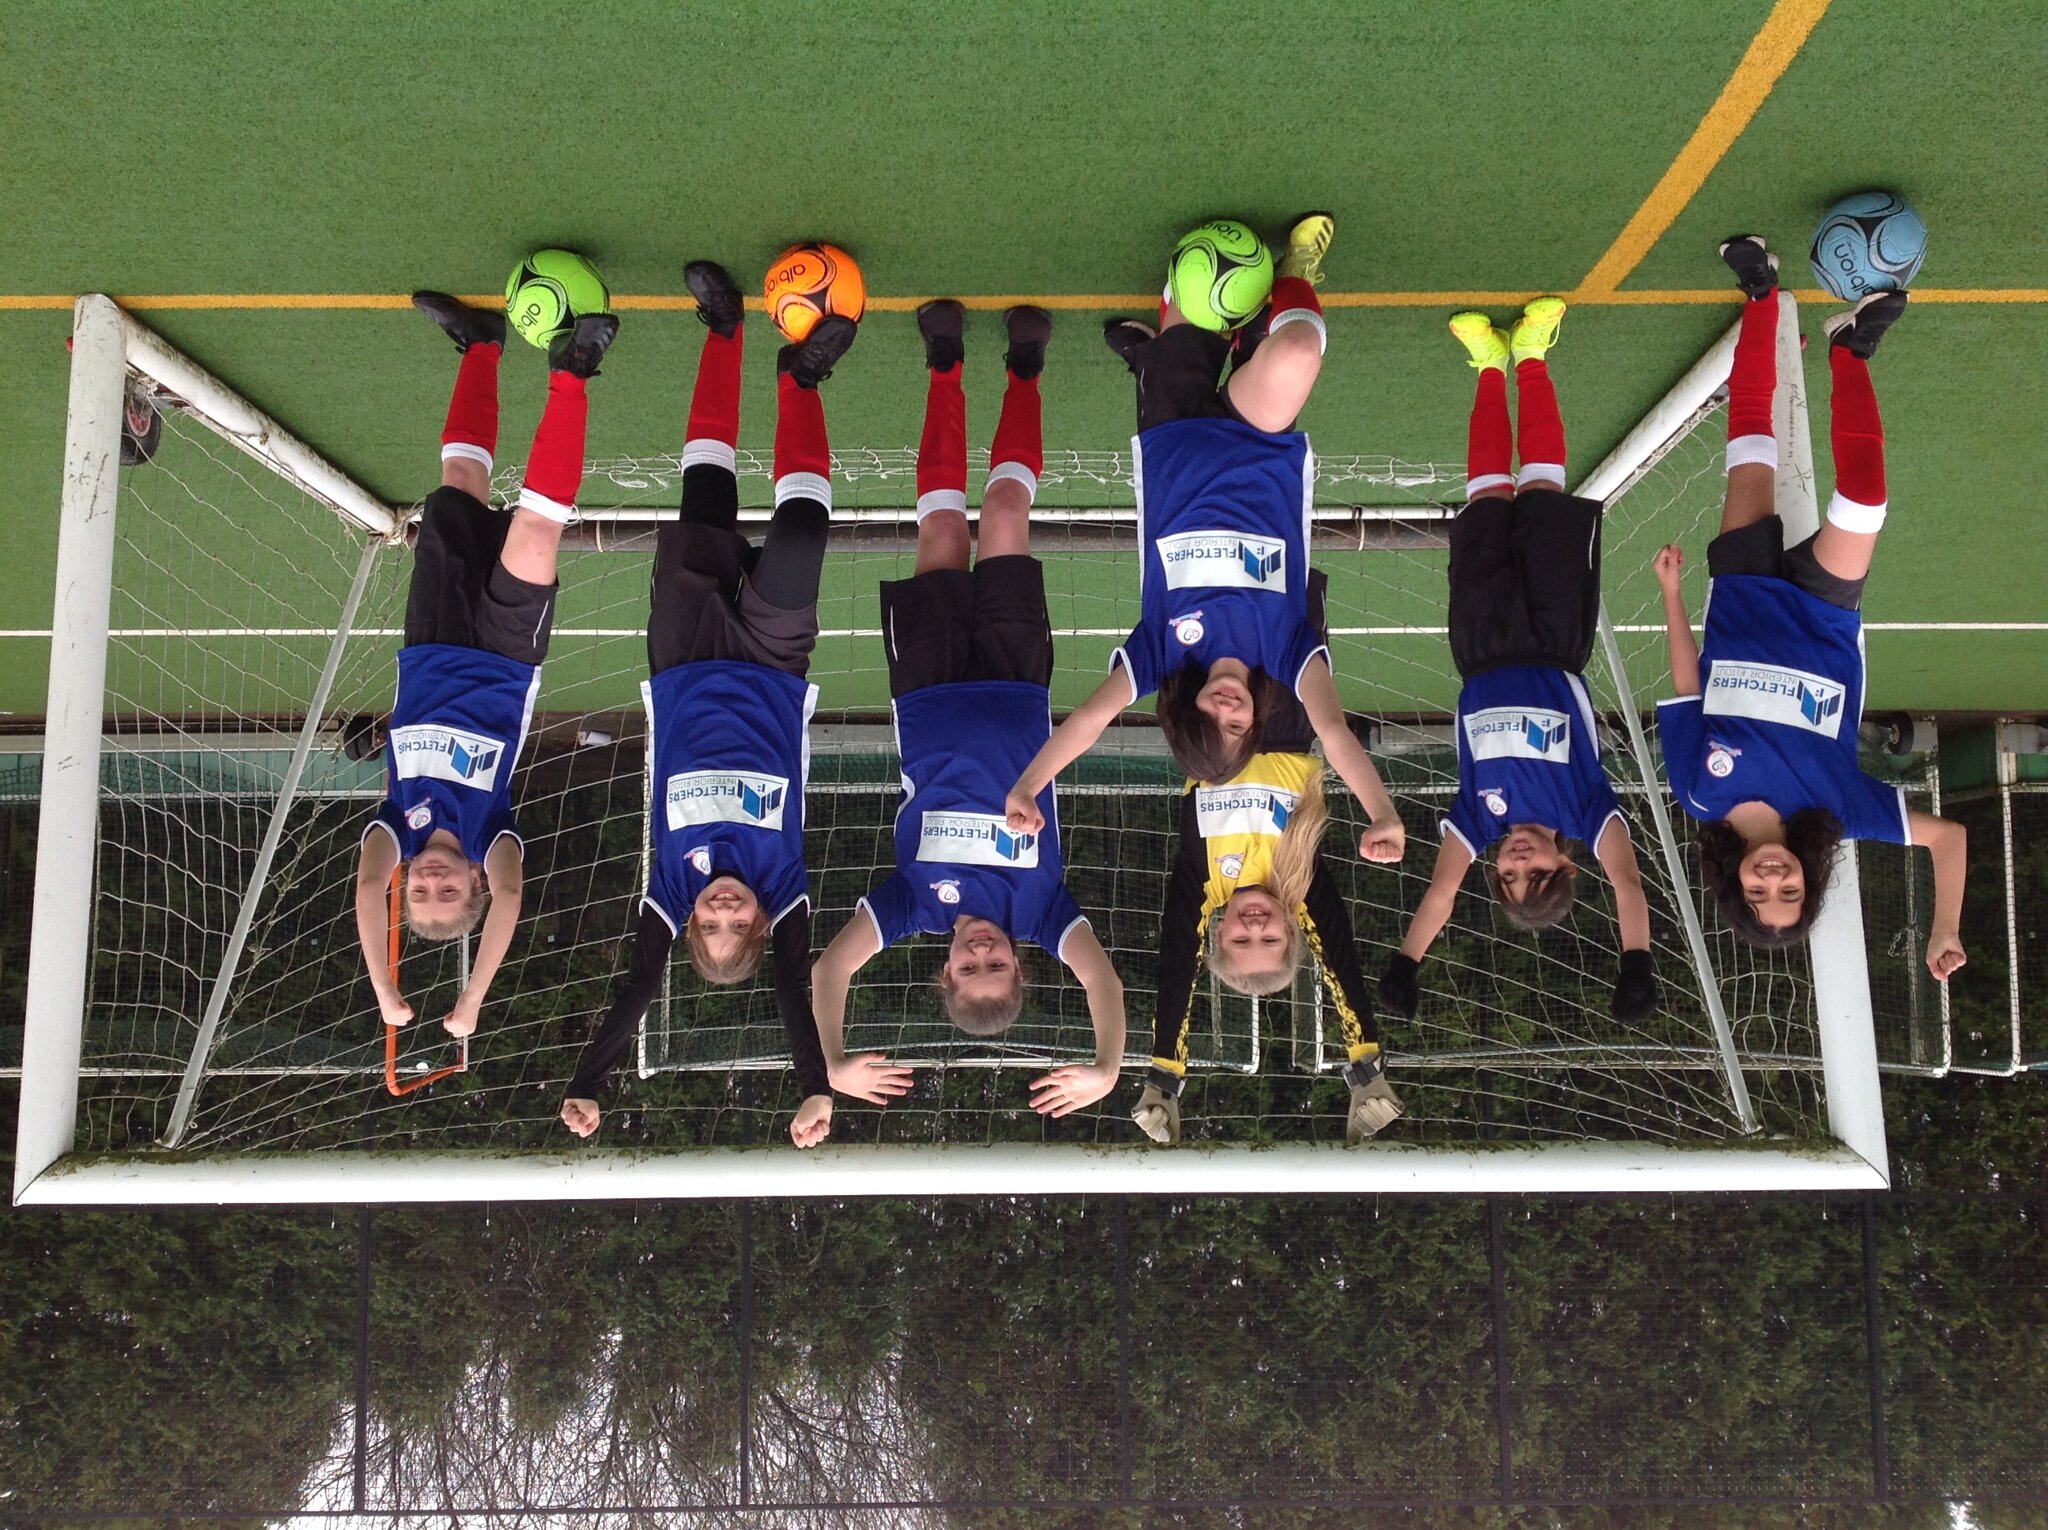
(201, 1027)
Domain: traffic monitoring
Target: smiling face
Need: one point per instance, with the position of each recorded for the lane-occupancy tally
(441, 888)
(1227, 701)
(981, 964)
(1773, 885)
(724, 919)
(1253, 940)
(1529, 856)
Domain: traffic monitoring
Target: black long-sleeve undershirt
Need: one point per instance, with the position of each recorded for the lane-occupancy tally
(789, 945)
(1180, 943)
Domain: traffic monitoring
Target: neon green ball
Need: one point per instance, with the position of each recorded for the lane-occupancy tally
(549, 291)
(1221, 274)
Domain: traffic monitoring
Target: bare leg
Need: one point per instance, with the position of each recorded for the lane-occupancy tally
(942, 541)
(471, 477)
(1270, 389)
(1005, 521)
(1752, 496)
(530, 547)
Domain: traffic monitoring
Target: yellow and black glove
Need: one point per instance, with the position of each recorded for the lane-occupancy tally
(1158, 1112)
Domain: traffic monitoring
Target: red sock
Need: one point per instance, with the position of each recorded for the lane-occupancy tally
(803, 458)
(1019, 450)
(1294, 302)
(554, 470)
(942, 449)
(1489, 440)
(1540, 426)
(715, 401)
(1754, 378)
(472, 426)
(1855, 430)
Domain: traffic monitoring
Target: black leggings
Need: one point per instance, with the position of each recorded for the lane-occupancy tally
(788, 566)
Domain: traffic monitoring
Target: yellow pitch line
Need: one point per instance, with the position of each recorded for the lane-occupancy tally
(1768, 56)
(1096, 301)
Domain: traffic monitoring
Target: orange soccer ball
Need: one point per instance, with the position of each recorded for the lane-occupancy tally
(808, 281)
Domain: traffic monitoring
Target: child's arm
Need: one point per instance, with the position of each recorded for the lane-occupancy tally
(1685, 649)
(1065, 1090)
(1948, 842)
(790, 959)
(1070, 740)
(1180, 940)
(504, 871)
(1399, 990)
(1635, 985)
(652, 942)
(1386, 839)
(374, 865)
(870, 1076)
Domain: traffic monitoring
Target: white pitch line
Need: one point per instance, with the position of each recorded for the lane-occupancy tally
(197, 633)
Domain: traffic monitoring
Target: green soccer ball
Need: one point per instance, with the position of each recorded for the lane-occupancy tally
(1221, 274)
(549, 291)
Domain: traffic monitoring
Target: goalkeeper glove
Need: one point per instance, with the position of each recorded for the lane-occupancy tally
(1373, 1102)
(1399, 992)
(1635, 989)
(1158, 1112)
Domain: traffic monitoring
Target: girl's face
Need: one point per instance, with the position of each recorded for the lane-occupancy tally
(1774, 885)
(1226, 700)
(982, 961)
(725, 913)
(1253, 928)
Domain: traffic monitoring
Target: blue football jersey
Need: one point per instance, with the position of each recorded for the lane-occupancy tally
(1528, 752)
(731, 746)
(1223, 516)
(1781, 681)
(457, 727)
(963, 746)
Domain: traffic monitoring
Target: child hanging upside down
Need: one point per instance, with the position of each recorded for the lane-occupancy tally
(1225, 489)
(729, 638)
(970, 663)
(1524, 609)
(1250, 890)
(1760, 741)
(476, 630)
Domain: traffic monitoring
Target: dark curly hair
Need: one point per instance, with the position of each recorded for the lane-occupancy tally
(1198, 745)
(1812, 835)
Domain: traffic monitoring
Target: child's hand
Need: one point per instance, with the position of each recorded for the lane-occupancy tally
(870, 1076)
(1385, 841)
(1158, 1114)
(1944, 954)
(394, 1009)
(1022, 812)
(462, 1019)
(1669, 561)
(813, 1123)
(580, 1116)
(1066, 1090)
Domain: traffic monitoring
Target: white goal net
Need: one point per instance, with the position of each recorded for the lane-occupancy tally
(224, 1027)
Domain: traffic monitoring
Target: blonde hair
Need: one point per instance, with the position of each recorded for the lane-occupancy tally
(449, 924)
(984, 1017)
(736, 968)
(1294, 867)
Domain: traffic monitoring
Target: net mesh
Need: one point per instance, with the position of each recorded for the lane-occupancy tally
(228, 590)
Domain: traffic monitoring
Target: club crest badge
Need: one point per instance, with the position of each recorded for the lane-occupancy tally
(948, 891)
(1496, 803)
(1187, 630)
(1232, 866)
(419, 817)
(1720, 762)
(700, 861)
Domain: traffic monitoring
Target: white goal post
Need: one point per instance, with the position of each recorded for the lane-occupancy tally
(109, 344)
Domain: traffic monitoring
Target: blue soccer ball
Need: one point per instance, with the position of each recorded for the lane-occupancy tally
(1870, 241)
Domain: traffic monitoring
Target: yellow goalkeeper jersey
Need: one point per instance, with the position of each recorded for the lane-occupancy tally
(1241, 821)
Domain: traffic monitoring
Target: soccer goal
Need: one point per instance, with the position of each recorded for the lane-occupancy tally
(200, 1028)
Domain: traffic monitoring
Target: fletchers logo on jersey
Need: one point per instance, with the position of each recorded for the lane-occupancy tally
(1519, 733)
(1242, 809)
(1769, 693)
(726, 796)
(1187, 630)
(419, 816)
(1231, 559)
(430, 751)
(975, 839)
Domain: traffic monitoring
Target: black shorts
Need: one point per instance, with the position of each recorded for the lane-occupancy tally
(954, 624)
(1180, 377)
(1760, 549)
(1525, 582)
(462, 595)
(703, 606)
